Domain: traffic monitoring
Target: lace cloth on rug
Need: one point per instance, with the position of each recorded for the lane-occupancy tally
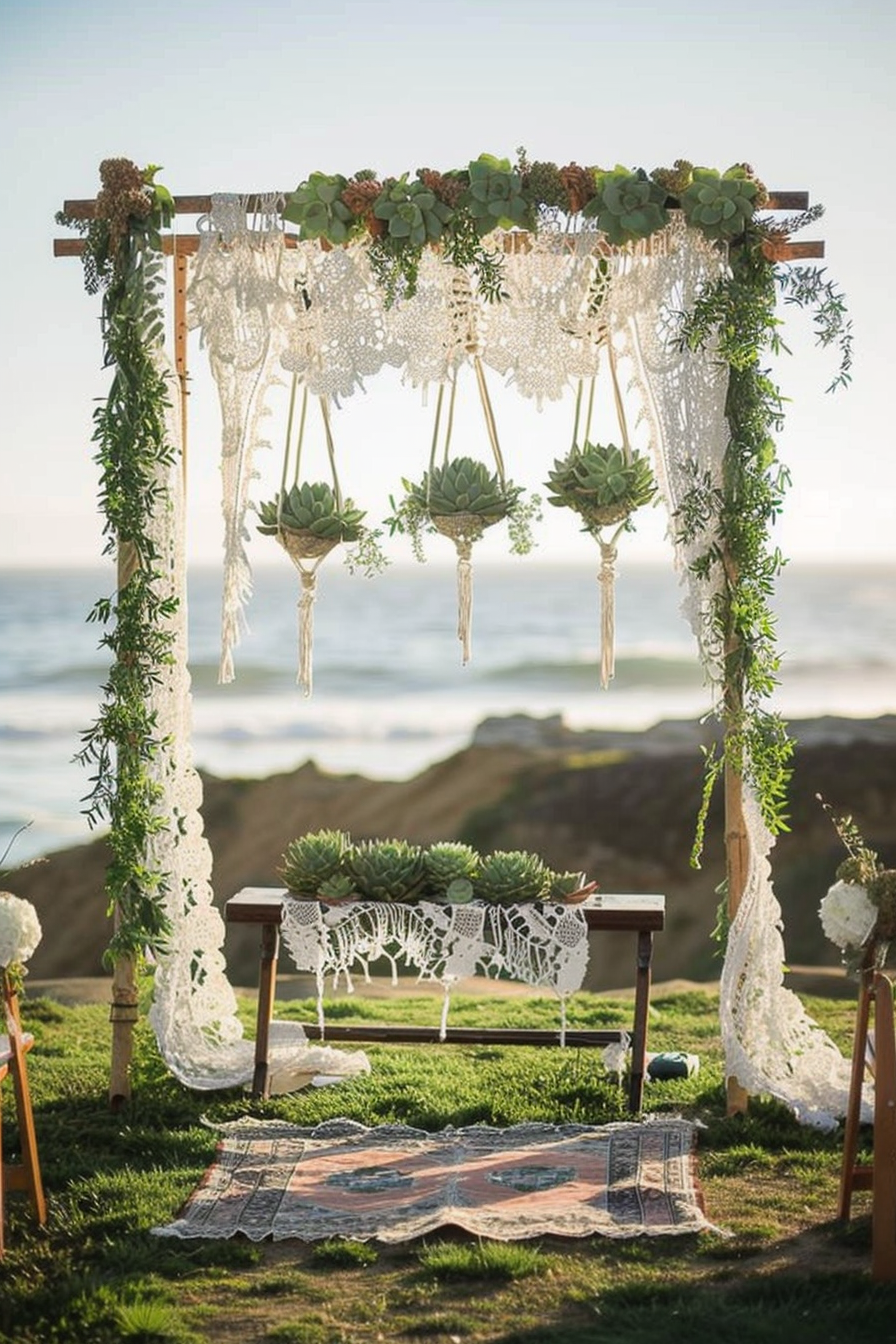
(193, 1013)
(538, 944)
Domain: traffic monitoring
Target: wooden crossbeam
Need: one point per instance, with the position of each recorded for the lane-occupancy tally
(186, 245)
(201, 205)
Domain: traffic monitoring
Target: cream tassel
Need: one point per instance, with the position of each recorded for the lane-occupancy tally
(306, 628)
(607, 580)
(464, 596)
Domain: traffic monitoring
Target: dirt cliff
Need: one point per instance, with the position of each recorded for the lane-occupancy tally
(622, 812)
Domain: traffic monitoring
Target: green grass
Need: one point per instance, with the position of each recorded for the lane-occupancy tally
(787, 1271)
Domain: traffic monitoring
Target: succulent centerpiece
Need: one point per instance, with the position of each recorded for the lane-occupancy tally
(326, 865)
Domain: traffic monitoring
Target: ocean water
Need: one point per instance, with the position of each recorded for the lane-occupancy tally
(390, 695)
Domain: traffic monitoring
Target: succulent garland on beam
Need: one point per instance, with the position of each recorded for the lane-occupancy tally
(456, 210)
(460, 497)
(605, 485)
(310, 518)
(328, 866)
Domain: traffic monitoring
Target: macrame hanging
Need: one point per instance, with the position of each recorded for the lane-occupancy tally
(462, 498)
(308, 518)
(604, 484)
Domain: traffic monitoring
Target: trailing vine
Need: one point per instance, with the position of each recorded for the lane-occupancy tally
(739, 315)
(123, 259)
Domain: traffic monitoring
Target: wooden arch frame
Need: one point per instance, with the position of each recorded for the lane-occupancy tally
(181, 247)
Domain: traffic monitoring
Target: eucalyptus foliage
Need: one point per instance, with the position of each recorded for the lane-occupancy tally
(124, 259)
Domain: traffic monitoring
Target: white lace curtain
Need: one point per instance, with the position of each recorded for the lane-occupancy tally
(265, 310)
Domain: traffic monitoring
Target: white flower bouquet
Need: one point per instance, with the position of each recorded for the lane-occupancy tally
(858, 914)
(20, 931)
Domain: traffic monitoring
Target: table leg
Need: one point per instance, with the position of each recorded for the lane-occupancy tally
(642, 1005)
(267, 984)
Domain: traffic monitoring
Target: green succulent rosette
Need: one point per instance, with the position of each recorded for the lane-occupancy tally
(512, 877)
(628, 206)
(464, 485)
(318, 209)
(313, 860)
(311, 507)
(602, 483)
(385, 870)
(721, 205)
(411, 212)
(495, 198)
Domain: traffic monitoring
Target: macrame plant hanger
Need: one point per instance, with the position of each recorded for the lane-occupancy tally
(600, 516)
(464, 529)
(306, 549)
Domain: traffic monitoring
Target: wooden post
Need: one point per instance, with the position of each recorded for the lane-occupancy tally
(737, 851)
(26, 1175)
(180, 346)
(123, 1013)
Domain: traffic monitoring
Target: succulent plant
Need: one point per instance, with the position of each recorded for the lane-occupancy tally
(675, 180)
(450, 864)
(359, 196)
(311, 507)
(512, 876)
(580, 184)
(720, 204)
(495, 198)
(412, 212)
(318, 209)
(544, 186)
(463, 485)
(564, 885)
(628, 206)
(385, 870)
(601, 483)
(339, 887)
(313, 860)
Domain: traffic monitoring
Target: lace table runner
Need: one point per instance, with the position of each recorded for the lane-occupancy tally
(536, 943)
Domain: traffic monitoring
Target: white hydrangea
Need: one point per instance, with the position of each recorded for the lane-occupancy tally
(848, 915)
(20, 930)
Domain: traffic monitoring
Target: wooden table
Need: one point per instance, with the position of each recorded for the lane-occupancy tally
(640, 915)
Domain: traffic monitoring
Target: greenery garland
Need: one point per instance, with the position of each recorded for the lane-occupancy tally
(123, 258)
(738, 315)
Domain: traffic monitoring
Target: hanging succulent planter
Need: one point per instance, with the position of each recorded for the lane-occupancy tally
(309, 519)
(460, 497)
(605, 485)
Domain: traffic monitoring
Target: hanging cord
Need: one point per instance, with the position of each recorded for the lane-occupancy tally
(305, 551)
(575, 428)
(465, 529)
(608, 547)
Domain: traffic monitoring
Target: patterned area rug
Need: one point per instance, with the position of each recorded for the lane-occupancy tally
(393, 1183)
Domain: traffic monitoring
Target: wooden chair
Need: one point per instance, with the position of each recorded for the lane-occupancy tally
(880, 1176)
(25, 1175)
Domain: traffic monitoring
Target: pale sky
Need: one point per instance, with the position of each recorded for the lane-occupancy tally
(239, 97)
